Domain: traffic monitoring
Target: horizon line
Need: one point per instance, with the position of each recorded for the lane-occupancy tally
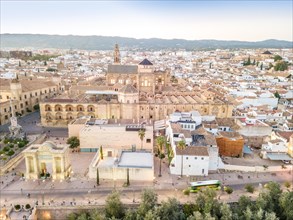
(143, 38)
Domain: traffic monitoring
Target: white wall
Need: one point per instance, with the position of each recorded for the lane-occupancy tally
(114, 136)
(191, 166)
(120, 173)
(213, 158)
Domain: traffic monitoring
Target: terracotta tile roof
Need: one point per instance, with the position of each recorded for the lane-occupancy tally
(193, 150)
(210, 139)
(285, 134)
(128, 89)
(199, 131)
(126, 69)
(176, 127)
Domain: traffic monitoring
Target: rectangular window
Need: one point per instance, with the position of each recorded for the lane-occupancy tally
(5, 110)
(186, 158)
(202, 158)
(25, 96)
(148, 140)
(195, 158)
(7, 97)
(36, 93)
(202, 171)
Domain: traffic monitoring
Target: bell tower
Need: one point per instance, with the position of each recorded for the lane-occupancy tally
(117, 55)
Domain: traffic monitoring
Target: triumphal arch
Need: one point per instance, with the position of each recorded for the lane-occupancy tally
(47, 160)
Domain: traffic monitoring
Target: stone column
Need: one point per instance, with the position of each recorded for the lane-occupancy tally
(27, 166)
(53, 168)
(62, 165)
(36, 168)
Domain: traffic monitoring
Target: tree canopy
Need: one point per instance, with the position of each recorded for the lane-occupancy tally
(73, 142)
(277, 58)
(281, 66)
(271, 204)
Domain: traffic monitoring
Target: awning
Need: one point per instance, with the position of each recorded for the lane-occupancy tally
(247, 150)
(278, 156)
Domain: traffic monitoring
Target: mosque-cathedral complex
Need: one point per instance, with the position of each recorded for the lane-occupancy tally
(138, 92)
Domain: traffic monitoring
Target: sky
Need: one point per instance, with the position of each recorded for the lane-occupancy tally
(192, 20)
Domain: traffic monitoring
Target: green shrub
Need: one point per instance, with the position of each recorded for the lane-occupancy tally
(249, 188)
(27, 206)
(11, 145)
(10, 153)
(21, 144)
(6, 140)
(4, 158)
(6, 148)
(186, 192)
(16, 140)
(2, 152)
(228, 189)
(17, 207)
(287, 184)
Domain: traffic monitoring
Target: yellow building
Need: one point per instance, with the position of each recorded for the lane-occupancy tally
(25, 94)
(137, 92)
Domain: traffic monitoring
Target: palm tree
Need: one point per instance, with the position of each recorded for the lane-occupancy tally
(181, 145)
(160, 142)
(141, 134)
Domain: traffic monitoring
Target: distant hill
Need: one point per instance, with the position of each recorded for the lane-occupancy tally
(107, 43)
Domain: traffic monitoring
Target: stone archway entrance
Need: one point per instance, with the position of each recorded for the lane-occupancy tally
(47, 160)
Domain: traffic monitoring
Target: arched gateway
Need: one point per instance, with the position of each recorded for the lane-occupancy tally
(47, 160)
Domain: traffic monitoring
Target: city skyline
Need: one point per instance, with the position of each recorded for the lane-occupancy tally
(191, 20)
